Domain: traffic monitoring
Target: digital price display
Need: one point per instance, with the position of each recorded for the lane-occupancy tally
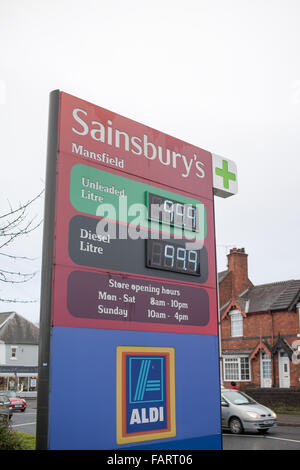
(172, 255)
(172, 212)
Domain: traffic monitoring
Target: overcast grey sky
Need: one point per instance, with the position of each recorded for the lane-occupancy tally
(223, 75)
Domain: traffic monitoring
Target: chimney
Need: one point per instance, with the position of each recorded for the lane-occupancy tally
(238, 264)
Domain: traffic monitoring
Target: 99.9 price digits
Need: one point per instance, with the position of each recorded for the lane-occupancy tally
(173, 212)
(171, 256)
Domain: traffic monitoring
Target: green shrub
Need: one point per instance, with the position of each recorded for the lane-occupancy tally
(29, 440)
(9, 440)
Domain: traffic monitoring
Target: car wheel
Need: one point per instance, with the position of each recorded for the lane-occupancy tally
(236, 426)
(23, 409)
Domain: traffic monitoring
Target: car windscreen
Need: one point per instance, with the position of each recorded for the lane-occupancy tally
(237, 398)
(4, 399)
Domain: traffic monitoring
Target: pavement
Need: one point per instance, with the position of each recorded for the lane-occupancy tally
(288, 420)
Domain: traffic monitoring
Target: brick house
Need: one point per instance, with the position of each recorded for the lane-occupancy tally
(259, 328)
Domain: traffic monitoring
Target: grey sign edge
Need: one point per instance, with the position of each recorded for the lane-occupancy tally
(47, 274)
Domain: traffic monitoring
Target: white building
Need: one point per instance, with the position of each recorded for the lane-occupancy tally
(19, 340)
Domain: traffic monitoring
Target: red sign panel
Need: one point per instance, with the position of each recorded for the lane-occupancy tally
(106, 283)
(100, 137)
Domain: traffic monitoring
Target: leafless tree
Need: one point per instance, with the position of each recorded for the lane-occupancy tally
(16, 222)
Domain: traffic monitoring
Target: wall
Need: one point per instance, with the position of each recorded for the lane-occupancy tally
(2, 353)
(274, 398)
(225, 289)
(27, 355)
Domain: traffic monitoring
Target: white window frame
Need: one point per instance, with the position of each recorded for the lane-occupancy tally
(237, 326)
(15, 349)
(238, 361)
(266, 365)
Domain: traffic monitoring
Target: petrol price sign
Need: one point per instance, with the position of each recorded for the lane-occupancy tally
(129, 296)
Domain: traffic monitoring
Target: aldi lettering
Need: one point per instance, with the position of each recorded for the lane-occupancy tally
(147, 415)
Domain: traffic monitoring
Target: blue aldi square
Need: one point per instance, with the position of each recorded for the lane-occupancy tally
(146, 393)
(146, 379)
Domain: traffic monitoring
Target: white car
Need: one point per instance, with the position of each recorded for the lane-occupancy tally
(5, 408)
(242, 413)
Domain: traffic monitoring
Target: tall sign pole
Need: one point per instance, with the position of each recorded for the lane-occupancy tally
(129, 322)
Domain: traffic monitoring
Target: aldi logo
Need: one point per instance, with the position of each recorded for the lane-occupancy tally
(145, 394)
(146, 383)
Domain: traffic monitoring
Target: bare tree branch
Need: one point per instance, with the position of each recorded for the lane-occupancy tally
(15, 257)
(24, 231)
(22, 206)
(18, 301)
(26, 277)
(13, 224)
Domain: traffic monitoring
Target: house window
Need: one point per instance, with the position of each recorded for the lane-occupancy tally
(245, 368)
(32, 384)
(13, 352)
(236, 368)
(266, 366)
(23, 384)
(236, 324)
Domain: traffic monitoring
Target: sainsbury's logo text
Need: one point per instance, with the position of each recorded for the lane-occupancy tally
(138, 146)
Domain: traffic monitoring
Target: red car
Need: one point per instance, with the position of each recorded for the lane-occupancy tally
(16, 403)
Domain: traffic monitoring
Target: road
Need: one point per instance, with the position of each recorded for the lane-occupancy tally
(278, 438)
(24, 421)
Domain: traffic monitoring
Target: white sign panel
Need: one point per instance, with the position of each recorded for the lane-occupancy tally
(224, 176)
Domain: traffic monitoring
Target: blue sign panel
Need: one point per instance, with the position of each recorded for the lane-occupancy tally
(190, 427)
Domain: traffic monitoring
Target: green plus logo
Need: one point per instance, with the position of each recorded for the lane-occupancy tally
(225, 174)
